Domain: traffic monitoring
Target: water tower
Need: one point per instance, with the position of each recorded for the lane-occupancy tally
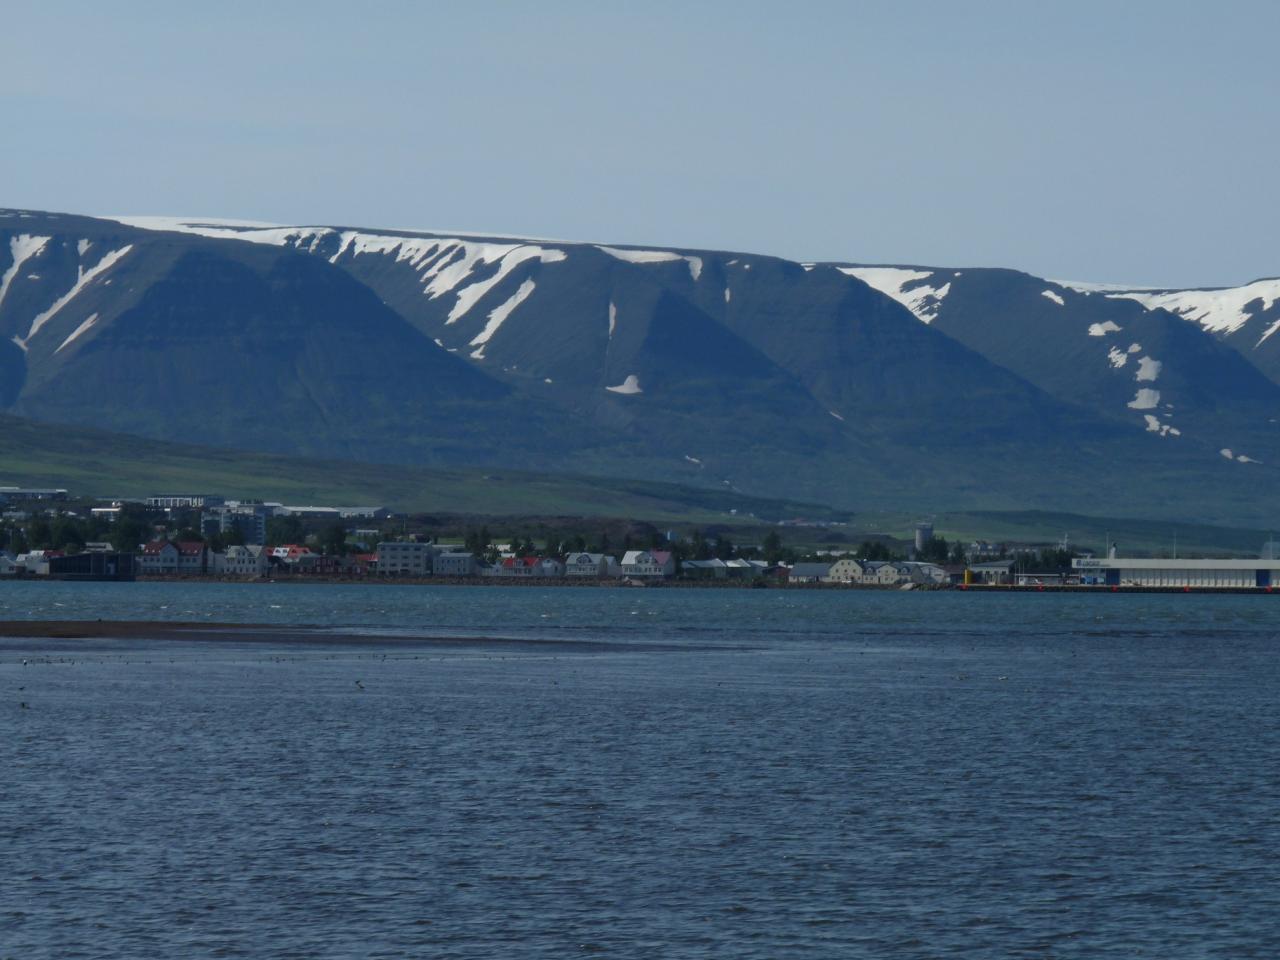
(924, 533)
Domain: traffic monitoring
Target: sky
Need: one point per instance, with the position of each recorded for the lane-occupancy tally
(1116, 142)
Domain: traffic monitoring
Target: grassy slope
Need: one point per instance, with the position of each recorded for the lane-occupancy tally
(102, 464)
(94, 463)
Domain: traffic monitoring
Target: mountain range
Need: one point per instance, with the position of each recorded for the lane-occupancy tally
(863, 387)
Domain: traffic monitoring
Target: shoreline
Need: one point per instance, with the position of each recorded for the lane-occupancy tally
(671, 584)
(302, 634)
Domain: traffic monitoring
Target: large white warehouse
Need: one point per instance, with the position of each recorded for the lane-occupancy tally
(1149, 572)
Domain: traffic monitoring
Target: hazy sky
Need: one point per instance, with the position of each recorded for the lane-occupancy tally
(1134, 142)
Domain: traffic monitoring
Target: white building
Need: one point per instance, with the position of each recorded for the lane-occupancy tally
(454, 563)
(1150, 572)
(8, 565)
(648, 563)
(845, 570)
(249, 561)
(592, 565)
(158, 557)
(193, 557)
(405, 558)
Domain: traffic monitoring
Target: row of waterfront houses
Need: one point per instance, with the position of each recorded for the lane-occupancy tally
(411, 559)
(871, 572)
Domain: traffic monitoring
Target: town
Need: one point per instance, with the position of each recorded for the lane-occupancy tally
(46, 533)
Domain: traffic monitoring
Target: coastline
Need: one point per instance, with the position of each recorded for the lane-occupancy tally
(291, 634)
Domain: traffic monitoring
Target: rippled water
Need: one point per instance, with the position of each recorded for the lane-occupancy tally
(750, 774)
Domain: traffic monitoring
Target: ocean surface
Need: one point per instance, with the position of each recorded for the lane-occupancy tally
(642, 773)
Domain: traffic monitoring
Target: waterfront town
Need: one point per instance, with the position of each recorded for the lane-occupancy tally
(45, 533)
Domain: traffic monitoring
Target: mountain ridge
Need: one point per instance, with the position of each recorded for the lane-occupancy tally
(709, 367)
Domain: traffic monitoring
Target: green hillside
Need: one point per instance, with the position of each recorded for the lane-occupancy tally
(95, 463)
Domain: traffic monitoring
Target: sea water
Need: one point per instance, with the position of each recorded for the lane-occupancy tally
(642, 773)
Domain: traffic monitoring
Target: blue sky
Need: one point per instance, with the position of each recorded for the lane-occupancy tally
(1129, 142)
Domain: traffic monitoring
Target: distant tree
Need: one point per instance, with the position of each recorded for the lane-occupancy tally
(128, 532)
(771, 547)
(40, 534)
(724, 548)
(958, 554)
(18, 541)
(936, 550)
(66, 533)
(874, 550)
(699, 547)
(189, 534)
(233, 536)
(334, 540)
(1054, 560)
(282, 530)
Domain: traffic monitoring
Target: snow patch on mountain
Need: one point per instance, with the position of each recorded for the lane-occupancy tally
(654, 256)
(470, 294)
(1148, 369)
(613, 317)
(1227, 453)
(499, 314)
(1117, 357)
(1102, 329)
(1145, 399)
(89, 322)
(1267, 334)
(22, 248)
(83, 279)
(1055, 297)
(1155, 426)
(627, 387)
(82, 246)
(1218, 311)
(908, 287)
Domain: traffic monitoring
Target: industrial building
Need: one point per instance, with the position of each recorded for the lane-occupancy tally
(1149, 572)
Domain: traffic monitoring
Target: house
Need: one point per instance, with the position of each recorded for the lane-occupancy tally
(648, 563)
(159, 557)
(8, 565)
(529, 567)
(882, 572)
(36, 562)
(247, 561)
(193, 557)
(98, 546)
(363, 564)
(550, 567)
(808, 572)
(745, 569)
(294, 556)
(598, 565)
(455, 563)
(713, 569)
(845, 570)
(927, 574)
(405, 558)
(515, 567)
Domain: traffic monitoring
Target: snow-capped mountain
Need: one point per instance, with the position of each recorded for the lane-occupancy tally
(813, 380)
(1129, 355)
